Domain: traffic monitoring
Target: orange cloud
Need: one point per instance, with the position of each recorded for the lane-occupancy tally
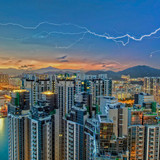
(70, 63)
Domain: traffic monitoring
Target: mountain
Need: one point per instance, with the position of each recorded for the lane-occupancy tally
(46, 70)
(50, 70)
(141, 71)
(111, 74)
(134, 72)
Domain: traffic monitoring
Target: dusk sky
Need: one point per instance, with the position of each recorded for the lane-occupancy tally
(79, 34)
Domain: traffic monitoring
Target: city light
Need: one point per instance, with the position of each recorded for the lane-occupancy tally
(20, 91)
(48, 93)
(79, 80)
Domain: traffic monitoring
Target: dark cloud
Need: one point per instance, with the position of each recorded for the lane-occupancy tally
(5, 58)
(26, 67)
(10, 61)
(108, 64)
(61, 58)
(19, 61)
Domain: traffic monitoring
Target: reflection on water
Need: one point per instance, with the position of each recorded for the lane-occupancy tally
(2, 124)
(3, 139)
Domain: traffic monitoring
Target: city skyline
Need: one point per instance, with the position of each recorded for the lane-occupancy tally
(82, 116)
(79, 80)
(83, 35)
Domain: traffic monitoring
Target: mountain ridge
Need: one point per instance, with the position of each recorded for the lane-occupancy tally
(134, 72)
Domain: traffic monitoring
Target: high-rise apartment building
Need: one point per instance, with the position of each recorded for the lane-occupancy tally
(136, 142)
(143, 133)
(101, 142)
(36, 84)
(42, 133)
(31, 134)
(74, 129)
(65, 89)
(108, 102)
(43, 127)
(91, 134)
(19, 126)
(151, 86)
(143, 142)
(119, 116)
(152, 142)
(106, 133)
(97, 85)
(143, 98)
(83, 86)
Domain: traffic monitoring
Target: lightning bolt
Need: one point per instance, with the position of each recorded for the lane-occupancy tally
(72, 44)
(38, 25)
(47, 34)
(151, 54)
(117, 39)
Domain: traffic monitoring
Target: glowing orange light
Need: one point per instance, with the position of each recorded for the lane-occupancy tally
(48, 93)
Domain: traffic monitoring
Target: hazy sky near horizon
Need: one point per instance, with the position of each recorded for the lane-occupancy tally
(79, 34)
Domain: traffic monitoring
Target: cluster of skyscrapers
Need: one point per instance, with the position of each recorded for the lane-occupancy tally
(152, 86)
(75, 117)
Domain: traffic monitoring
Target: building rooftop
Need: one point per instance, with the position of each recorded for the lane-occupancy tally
(144, 94)
(47, 93)
(20, 91)
(104, 119)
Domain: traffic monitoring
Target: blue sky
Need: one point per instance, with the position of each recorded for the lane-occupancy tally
(37, 48)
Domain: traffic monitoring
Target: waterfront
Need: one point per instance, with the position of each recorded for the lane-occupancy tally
(3, 139)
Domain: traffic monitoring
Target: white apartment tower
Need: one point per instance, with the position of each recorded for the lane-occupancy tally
(65, 90)
(42, 132)
(19, 126)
